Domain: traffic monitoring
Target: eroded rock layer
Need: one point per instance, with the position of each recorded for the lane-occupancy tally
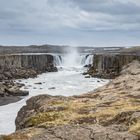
(109, 65)
(25, 66)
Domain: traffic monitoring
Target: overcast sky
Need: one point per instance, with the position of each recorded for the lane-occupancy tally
(71, 22)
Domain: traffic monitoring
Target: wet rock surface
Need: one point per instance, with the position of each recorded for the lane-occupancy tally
(110, 113)
(10, 92)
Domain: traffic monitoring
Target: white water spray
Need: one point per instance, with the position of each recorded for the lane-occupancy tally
(73, 59)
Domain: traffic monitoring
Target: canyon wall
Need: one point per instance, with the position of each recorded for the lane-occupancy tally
(24, 66)
(110, 65)
(37, 62)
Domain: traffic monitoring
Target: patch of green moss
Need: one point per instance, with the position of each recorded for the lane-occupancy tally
(43, 117)
(49, 119)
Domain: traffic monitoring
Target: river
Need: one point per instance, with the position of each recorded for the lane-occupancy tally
(67, 81)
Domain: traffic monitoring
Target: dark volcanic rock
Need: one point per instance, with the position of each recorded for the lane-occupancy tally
(51, 88)
(39, 83)
(25, 66)
(10, 92)
(88, 66)
(16, 92)
(109, 66)
(2, 94)
(87, 76)
(16, 73)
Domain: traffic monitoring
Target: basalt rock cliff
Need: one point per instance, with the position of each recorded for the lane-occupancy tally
(109, 66)
(25, 66)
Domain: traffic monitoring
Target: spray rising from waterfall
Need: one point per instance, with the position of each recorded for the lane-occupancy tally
(72, 58)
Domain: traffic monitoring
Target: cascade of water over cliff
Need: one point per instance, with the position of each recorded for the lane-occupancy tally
(57, 60)
(73, 59)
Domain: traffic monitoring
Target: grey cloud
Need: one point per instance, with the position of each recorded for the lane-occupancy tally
(53, 13)
(68, 19)
(113, 7)
(126, 13)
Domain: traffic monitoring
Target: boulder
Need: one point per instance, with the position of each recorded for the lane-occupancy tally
(16, 92)
(51, 88)
(87, 76)
(2, 94)
(39, 83)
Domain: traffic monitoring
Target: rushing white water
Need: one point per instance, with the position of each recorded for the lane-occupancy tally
(57, 60)
(67, 81)
(73, 59)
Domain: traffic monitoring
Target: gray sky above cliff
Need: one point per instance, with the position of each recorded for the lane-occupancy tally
(72, 22)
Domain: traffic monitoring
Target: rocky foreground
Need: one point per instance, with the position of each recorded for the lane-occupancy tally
(109, 113)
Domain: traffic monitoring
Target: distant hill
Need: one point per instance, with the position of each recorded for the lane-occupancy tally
(41, 49)
(63, 49)
(132, 50)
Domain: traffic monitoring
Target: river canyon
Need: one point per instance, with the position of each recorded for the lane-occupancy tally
(67, 81)
(71, 93)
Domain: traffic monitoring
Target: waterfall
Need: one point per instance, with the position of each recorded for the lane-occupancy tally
(89, 60)
(57, 60)
(73, 59)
